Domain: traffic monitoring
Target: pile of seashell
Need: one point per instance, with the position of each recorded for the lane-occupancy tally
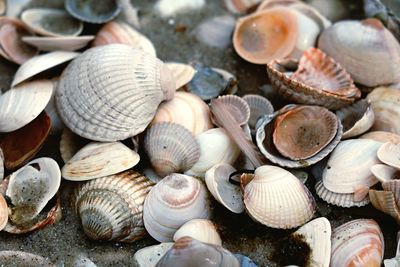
(149, 145)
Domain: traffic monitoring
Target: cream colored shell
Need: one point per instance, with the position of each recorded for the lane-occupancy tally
(200, 229)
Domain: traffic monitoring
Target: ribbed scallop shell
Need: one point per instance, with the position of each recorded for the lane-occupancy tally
(97, 160)
(259, 106)
(277, 199)
(357, 243)
(91, 12)
(116, 94)
(319, 80)
(381, 136)
(385, 173)
(348, 168)
(191, 252)
(393, 186)
(237, 107)
(110, 208)
(199, 229)
(385, 202)
(186, 109)
(68, 43)
(183, 73)
(121, 33)
(174, 200)
(171, 148)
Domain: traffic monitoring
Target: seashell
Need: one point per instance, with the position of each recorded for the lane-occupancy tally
(31, 188)
(121, 33)
(149, 256)
(356, 118)
(302, 132)
(201, 230)
(357, 243)
(97, 160)
(348, 168)
(3, 213)
(317, 234)
(110, 208)
(66, 43)
(318, 80)
(393, 186)
(241, 6)
(186, 109)
(70, 144)
(188, 251)
(216, 31)
(368, 51)
(385, 202)
(21, 258)
(41, 63)
(168, 8)
(1, 165)
(385, 173)
(152, 175)
(264, 140)
(276, 198)
(385, 104)
(339, 199)
(237, 107)
(22, 104)
(381, 136)
(171, 148)
(56, 124)
(51, 22)
(91, 12)
(259, 106)
(226, 193)
(388, 153)
(183, 73)
(12, 49)
(125, 102)
(17, 148)
(78, 259)
(173, 201)
(332, 10)
(230, 80)
(215, 147)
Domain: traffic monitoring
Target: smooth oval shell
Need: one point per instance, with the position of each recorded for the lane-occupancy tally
(276, 198)
(51, 22)
(357, 243)
(186, 109)
(58, 43)
(91, 12)
(199, 229)
(149, 256)
(259, 106)
(117, 94)
(389, 154)
(171, 148)
(381, 136)
(385, 173)
(110, 208)
(21, 258)
(174, 200)
(96, 160)
(183, 73)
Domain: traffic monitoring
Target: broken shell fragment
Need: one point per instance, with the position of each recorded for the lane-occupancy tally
(58, 43)
(91, 12)
(199, 229)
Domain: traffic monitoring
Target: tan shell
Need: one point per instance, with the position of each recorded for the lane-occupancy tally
(381, 136)
(183, 73)
(385, 201)
(41, 63)
(171, 148)
(126, 100)
(199, 229)
(110, 208)
(276, 198)
(3, 212)
(393, 186)
(70, 144)
(318, 80)
(98, 160)
(120, 33)
(58, 43)
(366, 49)
(174, 200)
(259, 106)
(385, 173)
(186, 109)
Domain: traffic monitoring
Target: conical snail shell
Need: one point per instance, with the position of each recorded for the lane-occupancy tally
(110, 208)
(112, 92)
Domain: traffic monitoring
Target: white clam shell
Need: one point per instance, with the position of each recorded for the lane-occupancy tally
(22, 104)
(348, 168)
(389, 154)
(67, 43)
(149, 256)
(226, 193)
(200, 229)
(381, 136)
(385, 173)
(168, 8)
(183, 73)
(173, 201)
(276, 198)
(97, 160)
(215, 147)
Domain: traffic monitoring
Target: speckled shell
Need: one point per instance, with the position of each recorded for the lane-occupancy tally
(357, 243)
(97, 160)
(174, 200)
(110, 208)
(276, 198)
(21, 258)
(171, 148)
(116, 95)
(199, 229)
(91, 12)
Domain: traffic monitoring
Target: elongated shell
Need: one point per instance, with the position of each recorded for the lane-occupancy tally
(200, 229)
(186, 109)
(58, 43)
(98, 160)
(110, 208)
(175, 200)
(276, 198)
(348, 168)
(357, 243)
(191, 252)
(90, 11)
(21, 258)
(117, 94)
(171, 148)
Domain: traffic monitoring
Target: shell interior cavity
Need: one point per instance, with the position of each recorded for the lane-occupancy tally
(90, 10)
